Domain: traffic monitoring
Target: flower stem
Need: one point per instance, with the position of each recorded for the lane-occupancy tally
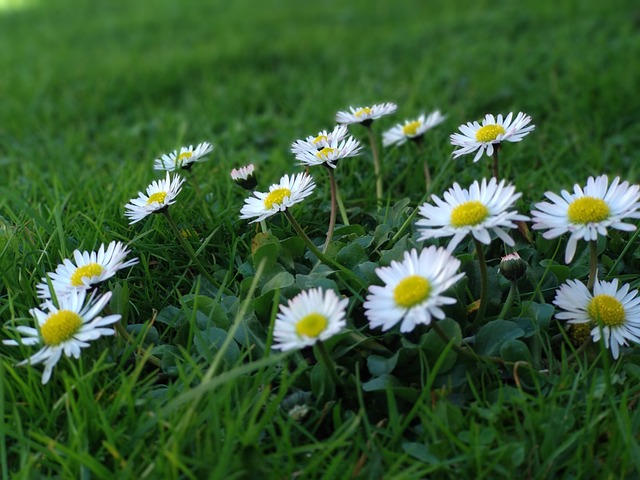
(425, 164)
(343, 212)
(495, 161)
(509, 301)
(376, 163)
(483, 282)
(332, 215)
(321, 256)
(327, 362)
(263, 226)
(189, 249)
(593, 263)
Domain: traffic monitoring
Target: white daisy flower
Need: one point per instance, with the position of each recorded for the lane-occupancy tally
(413, 289)
(587, 213)
(412, 129)
(365, 115)
(615, 313)
(244, 177)
(85, 270)
(477, 211)
(330, 153)
(160, 194)
(320, 141)
(492, 132)
(185, 159)
(288, 192)
(66, 329)
(310, 317)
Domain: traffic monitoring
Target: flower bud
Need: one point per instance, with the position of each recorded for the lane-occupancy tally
(244, 177)
(513, 267)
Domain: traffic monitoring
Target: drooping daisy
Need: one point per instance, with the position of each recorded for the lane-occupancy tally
(615, 313)
(160, 194)
(587, 213)
(413, 289)
(329, 154)
(311, 316)
(244, 177)
(321, 140)
(86, 269)
(412, 129)
(185, 159)
(288, 192)
(477, 211)
(66, 329)
(365, 115)
(492, 132)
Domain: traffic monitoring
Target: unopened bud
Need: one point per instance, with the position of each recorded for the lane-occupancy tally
(513, 267)
(244, 177)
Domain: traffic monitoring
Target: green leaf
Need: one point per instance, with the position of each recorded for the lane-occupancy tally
(420, 452)
(269, 252)
(494, 334)
(119, 302)
(541, 313)
(380, 365)
(562, 272)
(209, 307)
(209, 341)
(171, 316)
(515, 351)
(352, 255)
(433, 346)
(280, 280)
(321, 383)
(348, 230)
(381, 383)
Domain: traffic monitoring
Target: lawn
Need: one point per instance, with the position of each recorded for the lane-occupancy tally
(190, 386)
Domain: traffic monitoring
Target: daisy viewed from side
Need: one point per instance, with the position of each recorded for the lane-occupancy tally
(332, 151)
(587, 213)
(244, 177)
(614, 312)
(412, 129)
(291, 190)
(321, 140)
(477, 211)
(185, 159)
(66, 329)
(311, 316)
(488, 136)
(412, 291)
(85, 270)
(365, 115)
(160, 194)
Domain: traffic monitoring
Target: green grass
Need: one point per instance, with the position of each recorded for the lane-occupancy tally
(92, 92)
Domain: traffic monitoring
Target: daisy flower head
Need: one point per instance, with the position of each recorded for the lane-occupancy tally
(587, 213)
(412, 129)
(313, 315)
(614, 312)
(65, 329)
(160, 194)
(244, 177)
(330, 153)
(321, 140)
(413, 289)
(185, 159)
(477, 211)
(85, 270)
(365, 115)
(291, 190)
(488, 136)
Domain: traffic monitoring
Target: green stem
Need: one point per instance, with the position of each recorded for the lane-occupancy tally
(321, 256)
(509, 301)
(593, 263)
(425, 164)
(328, 363)
(189, 249)
(376, 163)
(483, 282)
(495, 161)
(122, 331)
(332, 215)
(343, 211)
(263, 226)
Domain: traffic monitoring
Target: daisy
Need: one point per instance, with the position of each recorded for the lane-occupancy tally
(413, 289)
(288, 192)
(86, 269)
(615, 313)
(321, 140)
(66, 329)
(412, 129)
(492, 132)
(587, 213)
(160, 194)
(311, 316)
(477, 211)
(332, 151)
(365, 115)
(185, 159)
(244, 177)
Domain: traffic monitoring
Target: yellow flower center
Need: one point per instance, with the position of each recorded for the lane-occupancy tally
(411, 128)
(157, 197)
(60, 327)
(489, 133)
(320, 138)
(184, 156)
(89, 270)
(312, 325)
(276, 197)
(585, 210)
(469, 213)
(606, 309)
(325, 152)
(411, 291)
(363, 111)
